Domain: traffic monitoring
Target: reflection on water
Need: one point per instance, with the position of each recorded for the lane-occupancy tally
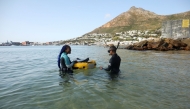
(148, 79)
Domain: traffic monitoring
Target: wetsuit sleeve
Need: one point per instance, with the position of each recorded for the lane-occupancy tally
(68, 62)
(109, 66)
(70, 66)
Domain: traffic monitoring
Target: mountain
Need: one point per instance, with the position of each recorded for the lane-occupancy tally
(138, 19)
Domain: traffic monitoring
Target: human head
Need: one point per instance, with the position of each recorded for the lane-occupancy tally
(67, 49)
(112, 50)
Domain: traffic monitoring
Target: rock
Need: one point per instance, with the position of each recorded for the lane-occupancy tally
(170, 47)
(187, 48)
(142, 43)
(149, 45)
(175, 43)
(162, 45)
(154, 45)
(162, 48)
(186, 41)
(167, 40)
(182, 48)
(130, 47)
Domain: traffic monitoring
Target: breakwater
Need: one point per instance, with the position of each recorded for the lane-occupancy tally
(165, 44)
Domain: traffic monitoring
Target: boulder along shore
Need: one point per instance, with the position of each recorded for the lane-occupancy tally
(161, 44)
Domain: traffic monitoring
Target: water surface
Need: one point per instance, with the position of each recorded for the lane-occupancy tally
(149, 79)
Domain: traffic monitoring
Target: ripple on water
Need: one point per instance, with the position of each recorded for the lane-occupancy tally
(149, 79)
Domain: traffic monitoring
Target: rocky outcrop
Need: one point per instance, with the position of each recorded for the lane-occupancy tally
(161, 45)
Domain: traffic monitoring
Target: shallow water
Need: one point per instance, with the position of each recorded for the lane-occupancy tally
(149, 79)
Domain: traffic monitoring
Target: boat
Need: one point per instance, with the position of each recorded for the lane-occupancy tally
(85, 65)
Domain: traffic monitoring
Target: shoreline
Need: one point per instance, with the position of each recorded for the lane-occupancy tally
(158, 44)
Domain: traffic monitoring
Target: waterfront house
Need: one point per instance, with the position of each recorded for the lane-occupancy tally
(26, 43)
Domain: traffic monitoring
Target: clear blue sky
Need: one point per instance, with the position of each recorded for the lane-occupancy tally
(53, 20)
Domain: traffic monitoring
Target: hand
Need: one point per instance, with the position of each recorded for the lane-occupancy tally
(78, 59)
(101, 67)
(74, 61)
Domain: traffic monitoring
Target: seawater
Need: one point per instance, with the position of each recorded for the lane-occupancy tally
(149, 80)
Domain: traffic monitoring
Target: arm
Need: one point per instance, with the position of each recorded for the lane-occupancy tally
(110, 65)
(68, 63)
(108, 68)
(70, 66)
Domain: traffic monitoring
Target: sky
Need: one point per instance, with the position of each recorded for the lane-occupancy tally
(54, 20)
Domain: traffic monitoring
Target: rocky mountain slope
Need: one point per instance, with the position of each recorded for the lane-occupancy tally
(138, 19)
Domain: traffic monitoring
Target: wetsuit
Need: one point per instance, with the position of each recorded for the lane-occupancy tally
(114, 64)
(66, 64)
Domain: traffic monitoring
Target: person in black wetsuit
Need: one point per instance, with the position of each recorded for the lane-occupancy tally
(114, 62)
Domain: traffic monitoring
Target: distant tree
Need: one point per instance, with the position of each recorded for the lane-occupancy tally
(115, 38)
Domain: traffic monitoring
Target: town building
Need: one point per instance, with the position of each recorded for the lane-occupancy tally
(26, 43)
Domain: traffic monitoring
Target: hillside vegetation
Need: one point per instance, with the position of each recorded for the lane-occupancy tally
(138, 19)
